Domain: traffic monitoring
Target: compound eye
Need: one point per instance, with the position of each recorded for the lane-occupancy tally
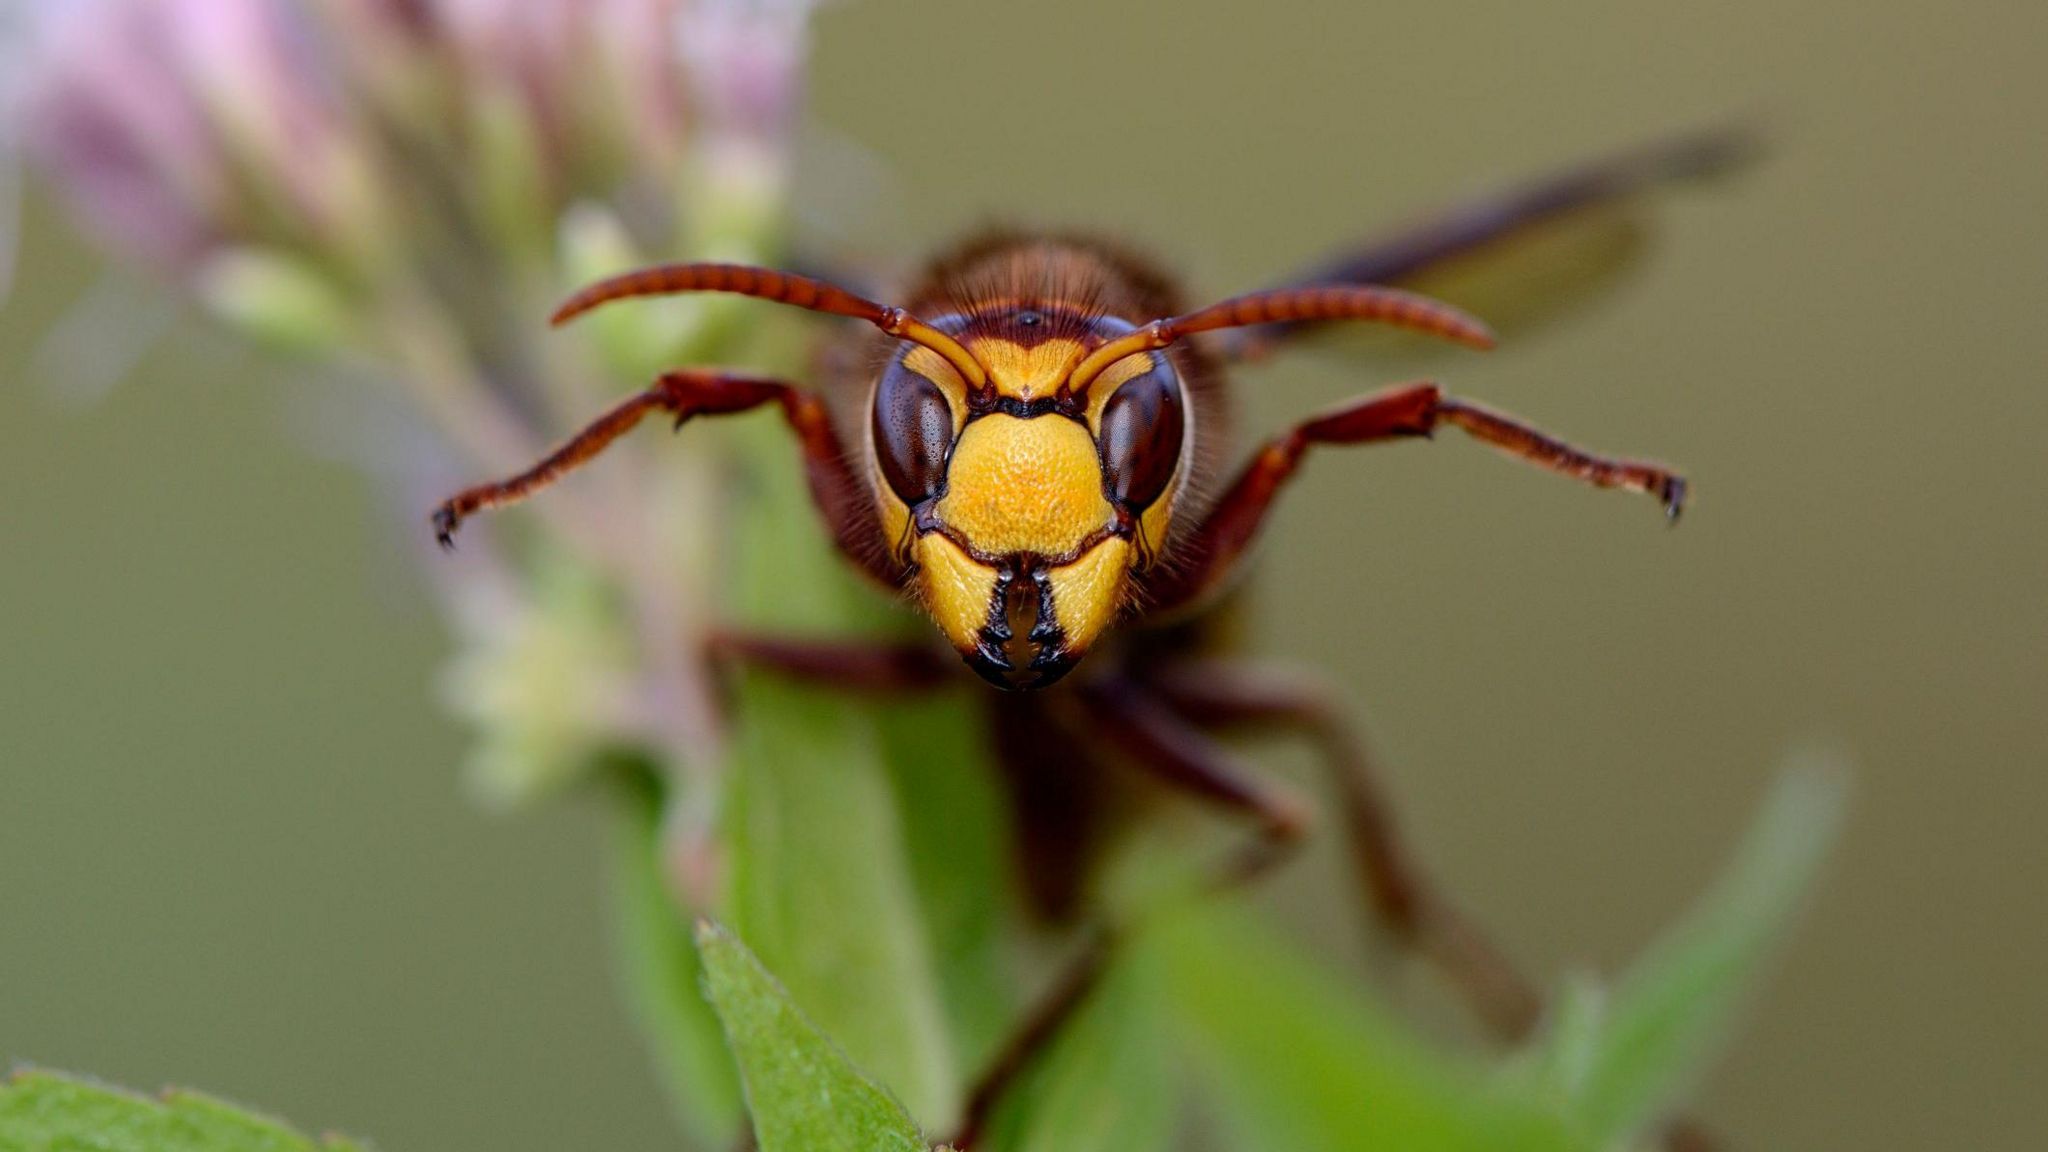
(913, 430)
(1140, 436)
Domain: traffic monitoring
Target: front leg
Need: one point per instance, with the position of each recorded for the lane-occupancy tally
(704, 392)
(1213, 550)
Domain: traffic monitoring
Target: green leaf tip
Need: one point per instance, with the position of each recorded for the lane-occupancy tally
(42, 1111)
(802, 1091)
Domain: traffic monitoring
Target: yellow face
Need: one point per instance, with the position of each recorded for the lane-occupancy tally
(1025, 509)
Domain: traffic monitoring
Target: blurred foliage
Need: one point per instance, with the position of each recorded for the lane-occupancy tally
(1619, 1059)
(1107, 1083)
(1290, 1052)
(45, 1112)
(1293, 1056)
(662, 975)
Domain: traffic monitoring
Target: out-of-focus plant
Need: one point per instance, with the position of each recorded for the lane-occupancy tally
(398, 191)
(43, 1112)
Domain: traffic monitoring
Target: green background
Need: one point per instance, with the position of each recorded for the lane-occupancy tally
(234, 851)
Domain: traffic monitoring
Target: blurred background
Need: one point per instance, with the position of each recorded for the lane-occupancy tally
(237, 854)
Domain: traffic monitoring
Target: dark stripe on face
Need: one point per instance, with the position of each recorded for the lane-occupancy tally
(1040, 657)
(989, 402)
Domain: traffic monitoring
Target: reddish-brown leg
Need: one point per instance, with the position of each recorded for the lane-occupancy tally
(865, 667)
(1220, 695)
(1153, 739)
(1219, 542)
(703, 392)
(1033, 1035)
(1475, 227)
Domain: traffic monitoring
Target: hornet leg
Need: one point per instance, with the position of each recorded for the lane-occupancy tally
(1220, 541)
(861, 667)
(700, 392)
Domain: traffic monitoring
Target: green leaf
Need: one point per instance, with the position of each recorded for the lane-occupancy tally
(1292, 1058)
(1107, 1082)
(803, 1093)
(663, 979)
(822, 889)
(47, 1112)
(1670, 1011)
(957, 838)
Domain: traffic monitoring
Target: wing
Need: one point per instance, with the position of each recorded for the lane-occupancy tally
(1528, 254)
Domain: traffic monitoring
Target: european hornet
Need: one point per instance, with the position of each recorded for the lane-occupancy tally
(1039, 462)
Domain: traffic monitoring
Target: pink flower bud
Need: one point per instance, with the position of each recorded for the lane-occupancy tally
(255, 66)
(104, 111)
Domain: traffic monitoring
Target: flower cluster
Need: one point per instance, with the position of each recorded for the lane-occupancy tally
(342, 130)
(403, 188)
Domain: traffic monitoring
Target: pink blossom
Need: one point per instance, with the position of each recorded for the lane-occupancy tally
(103, 109)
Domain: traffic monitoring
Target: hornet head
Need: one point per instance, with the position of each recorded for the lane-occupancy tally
(1025, 500)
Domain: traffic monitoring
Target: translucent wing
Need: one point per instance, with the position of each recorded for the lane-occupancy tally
(1525, 256)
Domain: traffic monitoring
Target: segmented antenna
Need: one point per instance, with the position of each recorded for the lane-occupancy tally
(1286, 305)
(781, 287)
